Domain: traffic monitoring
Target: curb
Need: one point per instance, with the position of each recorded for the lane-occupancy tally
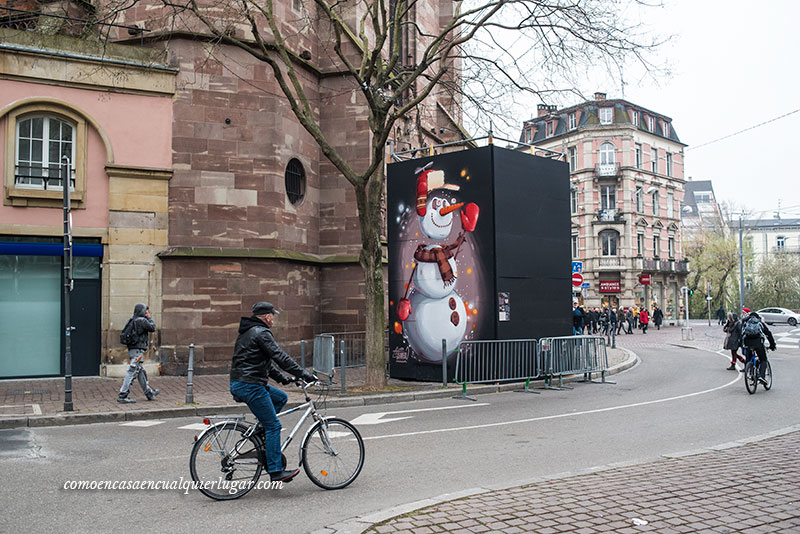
(358, 525)
(64, 419)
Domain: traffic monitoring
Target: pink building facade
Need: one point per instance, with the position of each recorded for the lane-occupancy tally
(627, 171)
(109, 112)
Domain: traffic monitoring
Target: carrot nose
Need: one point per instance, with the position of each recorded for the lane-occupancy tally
(449, 209)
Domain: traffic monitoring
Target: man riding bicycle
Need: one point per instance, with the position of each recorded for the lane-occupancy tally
(253, 356)
(753, 332)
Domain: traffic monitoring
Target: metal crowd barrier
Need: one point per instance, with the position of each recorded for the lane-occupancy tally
(573, 355)
(354, 348)
(480, 362)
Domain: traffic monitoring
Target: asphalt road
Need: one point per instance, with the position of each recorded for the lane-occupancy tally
(676, 399)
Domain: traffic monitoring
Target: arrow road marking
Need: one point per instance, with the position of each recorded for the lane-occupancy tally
(377, 417)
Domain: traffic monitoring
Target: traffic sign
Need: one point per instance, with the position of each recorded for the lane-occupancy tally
(709, 297)
(577, 279)
(577, 266)
(585, 285)
(644, 279)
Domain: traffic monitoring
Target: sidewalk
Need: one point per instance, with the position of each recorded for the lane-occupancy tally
(40, 402)
(748, 486)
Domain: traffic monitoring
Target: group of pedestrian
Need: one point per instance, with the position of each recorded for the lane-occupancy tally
(613, 321)
(748, 333)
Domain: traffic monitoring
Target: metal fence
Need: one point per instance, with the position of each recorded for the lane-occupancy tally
(528, 359)
(355, 354)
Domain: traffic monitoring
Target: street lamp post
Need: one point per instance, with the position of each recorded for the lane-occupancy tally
(67, 263)
(741, 268)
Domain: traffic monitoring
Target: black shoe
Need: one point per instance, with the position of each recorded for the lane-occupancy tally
(152, 394)
(125, 400)
(732, 367)
(741, 370)
(283, 476)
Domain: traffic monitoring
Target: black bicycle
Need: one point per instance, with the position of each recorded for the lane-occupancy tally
(751, 372)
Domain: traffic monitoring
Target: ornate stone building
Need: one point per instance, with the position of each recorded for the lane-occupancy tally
(627, 171)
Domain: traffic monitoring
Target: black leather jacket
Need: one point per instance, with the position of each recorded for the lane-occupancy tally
(255, 350)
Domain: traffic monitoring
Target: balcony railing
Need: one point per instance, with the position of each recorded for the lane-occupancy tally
(661, 265)
(610, 215)
(609, 261)
(606, 170)
(787, 250)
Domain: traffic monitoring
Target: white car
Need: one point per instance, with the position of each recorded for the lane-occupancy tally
(779, 315)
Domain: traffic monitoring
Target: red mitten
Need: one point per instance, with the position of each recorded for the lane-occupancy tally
(422, 193)
(403, 309)
(469, 217)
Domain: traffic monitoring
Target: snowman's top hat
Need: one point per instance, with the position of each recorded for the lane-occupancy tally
(427, 181)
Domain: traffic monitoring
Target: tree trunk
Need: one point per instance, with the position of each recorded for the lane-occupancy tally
(370, 258)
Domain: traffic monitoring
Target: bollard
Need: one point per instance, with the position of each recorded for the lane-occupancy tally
(344, 367)
(614, 340)
(190, 374)
(303, 354)
(444, 363)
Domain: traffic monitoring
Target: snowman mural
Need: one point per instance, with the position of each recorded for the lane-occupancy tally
(433, 310)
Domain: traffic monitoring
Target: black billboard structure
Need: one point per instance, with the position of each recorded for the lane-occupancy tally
(479, 249)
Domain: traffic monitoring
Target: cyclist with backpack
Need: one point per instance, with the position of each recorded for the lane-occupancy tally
(754, 330)
(136, 336)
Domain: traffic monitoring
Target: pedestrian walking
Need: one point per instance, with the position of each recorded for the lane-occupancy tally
(577, 319)
(629, 318)
(733, 339)
(658, 316)
(720, 315)
(636, 316)
(612, 322)
(644, 320)
(136, 336)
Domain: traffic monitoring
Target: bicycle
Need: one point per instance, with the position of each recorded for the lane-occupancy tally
(228, 457)
(751, 372)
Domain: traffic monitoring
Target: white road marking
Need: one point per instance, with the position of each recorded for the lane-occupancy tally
(194, 426)
(142, 423)
(558, 416)
(377, 417)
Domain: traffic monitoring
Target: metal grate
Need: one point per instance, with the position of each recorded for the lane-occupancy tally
(295, 181)
(30, 392)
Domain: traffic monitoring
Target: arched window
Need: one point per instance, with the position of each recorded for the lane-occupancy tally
(42, 143)
(295, 181)
(609, 239)
(607, 154)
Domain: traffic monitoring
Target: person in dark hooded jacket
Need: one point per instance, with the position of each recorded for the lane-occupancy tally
(254, 358)
(143, 324)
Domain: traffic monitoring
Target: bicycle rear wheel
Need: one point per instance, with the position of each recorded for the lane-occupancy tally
(224, 463)
(332, 453)
(750, 377)
(768, 377)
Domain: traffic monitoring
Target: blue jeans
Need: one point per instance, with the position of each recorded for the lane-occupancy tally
(265, 403)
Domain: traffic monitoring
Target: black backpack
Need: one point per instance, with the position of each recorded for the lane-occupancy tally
(752, 329)
(128, 335)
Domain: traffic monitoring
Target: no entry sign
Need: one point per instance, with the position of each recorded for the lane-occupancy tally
(577, 279)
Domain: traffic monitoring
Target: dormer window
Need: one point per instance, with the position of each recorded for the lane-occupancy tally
(573, 121)
(550, 129)
(651, 124)
(666, 129)
(635, 117)
(605, 115)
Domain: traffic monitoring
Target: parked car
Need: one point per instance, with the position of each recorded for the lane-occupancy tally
(779, 315)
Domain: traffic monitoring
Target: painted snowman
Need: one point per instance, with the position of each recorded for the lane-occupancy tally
(434, 310)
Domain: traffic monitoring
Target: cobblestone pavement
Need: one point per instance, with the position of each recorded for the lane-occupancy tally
(752, 487)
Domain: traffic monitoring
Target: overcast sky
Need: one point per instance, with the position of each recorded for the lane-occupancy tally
(734, 65)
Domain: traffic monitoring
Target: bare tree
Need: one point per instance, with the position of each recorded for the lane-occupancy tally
(511, 43)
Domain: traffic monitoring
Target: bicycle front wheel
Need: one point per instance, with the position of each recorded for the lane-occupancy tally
(750, 377)
(768, 377)
(332, 453)
(224, 463)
